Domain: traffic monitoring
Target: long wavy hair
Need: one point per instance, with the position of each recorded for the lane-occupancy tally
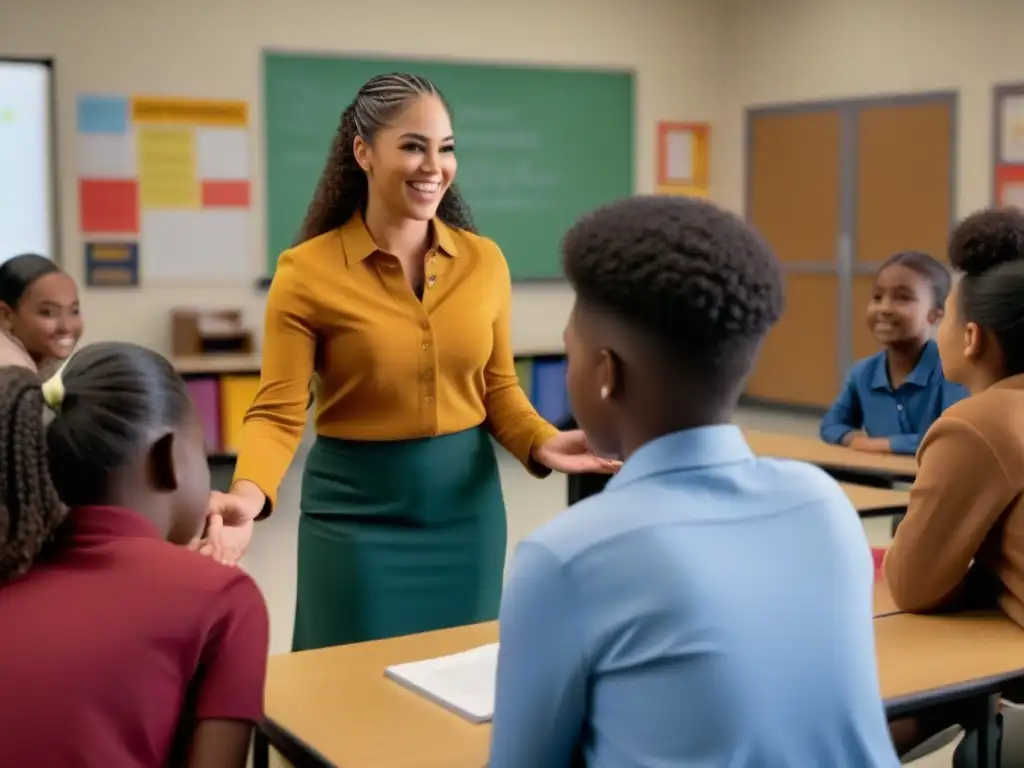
(342, 189)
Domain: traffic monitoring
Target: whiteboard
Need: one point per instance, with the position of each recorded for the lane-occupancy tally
(27, 217)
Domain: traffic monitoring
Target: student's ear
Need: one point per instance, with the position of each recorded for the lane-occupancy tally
(163, 468)
(935, 315)
(6, 316)
(610, 374)
(974, 341)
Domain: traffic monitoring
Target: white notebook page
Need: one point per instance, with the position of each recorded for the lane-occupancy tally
(463, 682)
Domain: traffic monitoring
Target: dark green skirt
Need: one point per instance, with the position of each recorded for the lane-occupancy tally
(397, 538)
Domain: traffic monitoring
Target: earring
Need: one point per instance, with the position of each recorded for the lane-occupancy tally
(605, 392)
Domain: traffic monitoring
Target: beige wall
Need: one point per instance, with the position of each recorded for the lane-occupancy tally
(797, 50)
(211, 48)
(695, 60)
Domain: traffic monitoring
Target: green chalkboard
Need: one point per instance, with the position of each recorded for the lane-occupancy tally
(537, 147)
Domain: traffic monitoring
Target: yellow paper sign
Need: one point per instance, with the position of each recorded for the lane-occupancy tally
(167, 168)
(208, 112)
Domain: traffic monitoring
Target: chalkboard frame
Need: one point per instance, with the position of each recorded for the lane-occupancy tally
(263, 283)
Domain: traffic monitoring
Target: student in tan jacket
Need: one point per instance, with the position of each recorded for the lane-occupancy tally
(961, 544)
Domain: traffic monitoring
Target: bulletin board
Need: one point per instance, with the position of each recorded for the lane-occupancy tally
(164, 190)
(1008, 146)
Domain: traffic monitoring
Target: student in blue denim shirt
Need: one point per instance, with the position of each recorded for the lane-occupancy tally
(890, 399)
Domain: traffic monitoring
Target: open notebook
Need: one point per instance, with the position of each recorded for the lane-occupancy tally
(463, 682)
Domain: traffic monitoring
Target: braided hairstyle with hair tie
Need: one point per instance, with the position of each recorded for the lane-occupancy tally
(30, 509)
(342, 189)
(107, 399)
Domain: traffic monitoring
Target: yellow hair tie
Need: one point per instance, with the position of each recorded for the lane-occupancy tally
(53, 389)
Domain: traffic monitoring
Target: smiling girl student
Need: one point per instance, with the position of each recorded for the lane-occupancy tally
(40, 319)
(890, 399)
(120, 650)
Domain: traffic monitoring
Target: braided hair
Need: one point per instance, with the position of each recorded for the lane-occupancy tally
(343, 187)
(30, 509)
(111, 397)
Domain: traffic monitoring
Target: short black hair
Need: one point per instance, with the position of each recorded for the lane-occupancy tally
(19, 272)
(931, 269)
(114, 395)
(987, 248)
(691, 275)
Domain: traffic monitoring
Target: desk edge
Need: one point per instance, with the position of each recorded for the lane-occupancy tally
(293, 749)
(901, 706)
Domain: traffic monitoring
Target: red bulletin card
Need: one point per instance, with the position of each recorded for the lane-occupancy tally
(1010, 185)
(225, 194)
(108, 206)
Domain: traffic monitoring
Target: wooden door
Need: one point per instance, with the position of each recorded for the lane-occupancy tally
(836, 189)
(905, 156)
(794, 188)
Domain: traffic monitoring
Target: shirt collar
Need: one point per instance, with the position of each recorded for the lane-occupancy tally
(109, 522)
(697, 448)
(927, 364)
(358, 243)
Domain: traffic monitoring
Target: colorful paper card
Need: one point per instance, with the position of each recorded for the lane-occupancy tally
(683, 156)
(108, 206)
(112, 264)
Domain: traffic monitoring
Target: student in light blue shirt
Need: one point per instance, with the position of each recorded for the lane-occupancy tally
(709, 608)
(890, 399)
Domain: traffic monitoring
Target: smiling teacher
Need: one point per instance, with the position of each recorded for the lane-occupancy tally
(402, 312)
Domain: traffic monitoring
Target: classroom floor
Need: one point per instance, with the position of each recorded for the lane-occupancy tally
(530, 502)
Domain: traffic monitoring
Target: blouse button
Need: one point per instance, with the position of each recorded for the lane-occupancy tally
(431, 280)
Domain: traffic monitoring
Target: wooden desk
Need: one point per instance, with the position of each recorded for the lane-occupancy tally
(831, 457)
(927, 660)
(338, 701)
(883, 603)
(334, 707)
(870, 501)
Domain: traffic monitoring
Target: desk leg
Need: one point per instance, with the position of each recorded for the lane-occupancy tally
(260, 749)
(982, 746)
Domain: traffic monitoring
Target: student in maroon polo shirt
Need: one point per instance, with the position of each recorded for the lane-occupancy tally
(118, 649)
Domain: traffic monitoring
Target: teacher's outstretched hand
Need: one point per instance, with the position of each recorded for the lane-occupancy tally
(569, 452)
(230, 518)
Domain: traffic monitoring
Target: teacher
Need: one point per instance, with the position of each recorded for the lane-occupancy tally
(401, 310)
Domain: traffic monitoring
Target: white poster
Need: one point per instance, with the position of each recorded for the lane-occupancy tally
(27, 218)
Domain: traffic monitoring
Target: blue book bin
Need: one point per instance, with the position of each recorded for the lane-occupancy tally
(550, 396)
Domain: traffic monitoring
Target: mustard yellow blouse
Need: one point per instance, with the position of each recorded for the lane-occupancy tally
(390, 367)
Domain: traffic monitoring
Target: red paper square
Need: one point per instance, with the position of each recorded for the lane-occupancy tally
(108, 206)
(225, 194)
(1007, 175)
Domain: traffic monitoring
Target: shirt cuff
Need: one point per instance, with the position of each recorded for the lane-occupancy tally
(904, 444)
(535, 468)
